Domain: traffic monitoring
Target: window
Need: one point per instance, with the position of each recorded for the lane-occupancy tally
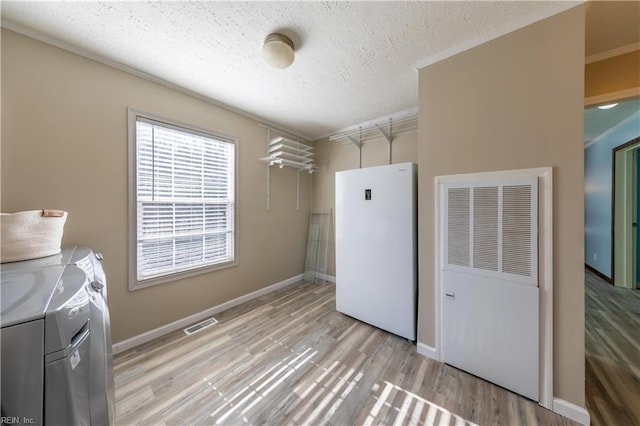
(182, 187)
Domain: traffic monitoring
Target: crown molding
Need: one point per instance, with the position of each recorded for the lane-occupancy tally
(45, 38)
(612, 53)
(612, 96)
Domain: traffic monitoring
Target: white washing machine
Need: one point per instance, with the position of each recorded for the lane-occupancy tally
(55, 341)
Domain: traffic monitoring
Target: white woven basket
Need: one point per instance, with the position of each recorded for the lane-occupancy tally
(31, 234)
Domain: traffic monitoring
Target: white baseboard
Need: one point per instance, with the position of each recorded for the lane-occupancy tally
(560, 406)
(571, 411)
(328, 278)
(426, 350)
(184, 322)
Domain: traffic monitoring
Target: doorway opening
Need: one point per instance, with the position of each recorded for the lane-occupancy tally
(610, 133)
(624, 229)
(612, 153)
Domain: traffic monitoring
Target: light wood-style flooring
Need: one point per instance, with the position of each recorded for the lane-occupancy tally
(290, 358)
(612, 350)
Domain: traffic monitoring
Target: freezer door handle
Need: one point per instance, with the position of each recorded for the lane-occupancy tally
(450, 296)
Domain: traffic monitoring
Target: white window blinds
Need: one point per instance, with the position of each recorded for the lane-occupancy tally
(184, 186)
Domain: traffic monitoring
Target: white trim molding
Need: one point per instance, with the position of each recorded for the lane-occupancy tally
(45, 38)
(191, 319)
(545, 265)
(622, 50)
(327, 278)
(426, 350)
(133, 118)
(613, 96)
(571, 411)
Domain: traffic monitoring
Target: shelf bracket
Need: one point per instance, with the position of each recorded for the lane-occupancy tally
(384, 134)
(298, 190)
(357, 144)
(268, 172)
(388, 137)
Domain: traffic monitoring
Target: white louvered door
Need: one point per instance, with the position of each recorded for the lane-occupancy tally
(490, 281)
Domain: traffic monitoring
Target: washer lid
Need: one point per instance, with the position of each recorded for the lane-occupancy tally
(81, 254)
(84, 259)
(26, 293)
(61, 258)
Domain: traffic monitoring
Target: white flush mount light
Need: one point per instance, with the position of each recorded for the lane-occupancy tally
(278, 50)
(608, 106)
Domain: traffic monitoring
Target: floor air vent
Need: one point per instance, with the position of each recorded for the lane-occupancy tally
(200, 326)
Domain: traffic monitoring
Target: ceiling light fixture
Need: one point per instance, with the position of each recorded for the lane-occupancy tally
(278, 50)
(608, 106)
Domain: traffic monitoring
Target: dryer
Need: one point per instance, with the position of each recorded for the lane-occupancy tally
(56, 368)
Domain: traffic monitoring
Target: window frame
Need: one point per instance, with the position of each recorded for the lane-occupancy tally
(134, 284)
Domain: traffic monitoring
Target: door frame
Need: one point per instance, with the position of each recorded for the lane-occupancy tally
(545, 265)
(621, 164)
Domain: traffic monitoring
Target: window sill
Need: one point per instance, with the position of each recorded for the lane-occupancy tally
(139, 285)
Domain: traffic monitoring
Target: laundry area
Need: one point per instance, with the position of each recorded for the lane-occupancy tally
(297, 212)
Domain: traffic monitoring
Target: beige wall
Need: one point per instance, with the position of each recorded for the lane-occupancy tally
(514, 102)
(64, 146)
(612, 75)
(332, 157)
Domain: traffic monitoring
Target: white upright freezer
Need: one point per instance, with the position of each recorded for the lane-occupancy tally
(376, 246)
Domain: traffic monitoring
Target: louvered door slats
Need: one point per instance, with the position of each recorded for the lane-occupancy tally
(491, 229)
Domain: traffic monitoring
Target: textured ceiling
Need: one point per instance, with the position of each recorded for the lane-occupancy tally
(611, 24)
(355, 61)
